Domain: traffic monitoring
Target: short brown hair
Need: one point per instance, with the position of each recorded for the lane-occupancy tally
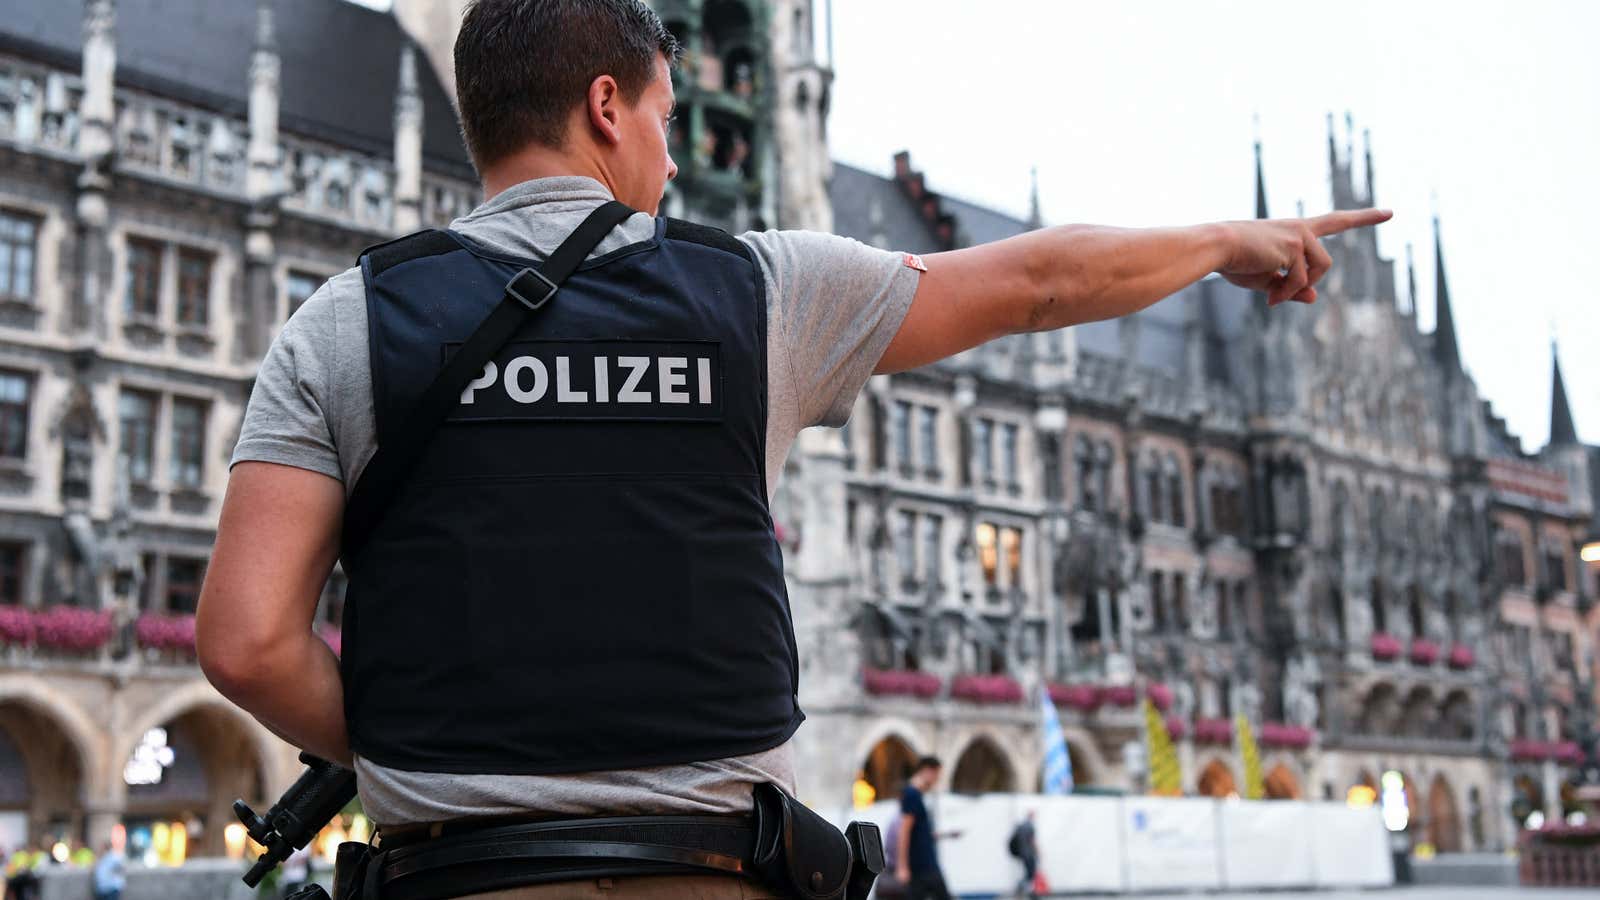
(522, 65)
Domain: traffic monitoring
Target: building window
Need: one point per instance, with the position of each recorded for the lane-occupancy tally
(194, 288)
(136, 410)
(301, 285)
(188, 443)
(18, 239)
(184, 577)
(1011, 546)
(932, 558)
(1153, 506)
(905, 548)
(13, 556)
(1088, 496)
(900, 432)
(988, 552)
(1008, 454)
(1555, 569)
(1158, 601)
(928, 437)
(16, 389)
(1174, 502)
(1180, 603)
(983, 448)
(1512, 564)
(142, 290)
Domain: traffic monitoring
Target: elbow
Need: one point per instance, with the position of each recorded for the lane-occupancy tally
(230, 658)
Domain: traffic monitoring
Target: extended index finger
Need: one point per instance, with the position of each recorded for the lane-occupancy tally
(1346, 219)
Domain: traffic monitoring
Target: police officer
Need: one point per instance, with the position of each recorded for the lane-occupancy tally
(543, 444)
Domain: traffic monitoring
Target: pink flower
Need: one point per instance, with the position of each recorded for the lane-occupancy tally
(162, 632)
(1160, 695)
(1385, 646)
(1213, 731)
(1175, 728)
(898, 682)
(17, 626)
(1292, 737)
(1424, 652)
(1084, 698)
(1123, 695)
(1461, 657)
(1568, 752)
(72, 629)
(986, 689)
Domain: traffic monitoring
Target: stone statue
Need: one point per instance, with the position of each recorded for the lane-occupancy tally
(1300, 704)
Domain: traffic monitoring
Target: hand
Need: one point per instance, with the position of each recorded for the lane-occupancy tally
(1261, 249)
(902, 873)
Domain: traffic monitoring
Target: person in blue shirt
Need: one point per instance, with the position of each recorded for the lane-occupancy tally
(110, 874)
(917, 851)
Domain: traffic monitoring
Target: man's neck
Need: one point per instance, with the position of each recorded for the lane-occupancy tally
(536, 162)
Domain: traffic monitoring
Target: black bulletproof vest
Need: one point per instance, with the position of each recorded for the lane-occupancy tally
(580, 574)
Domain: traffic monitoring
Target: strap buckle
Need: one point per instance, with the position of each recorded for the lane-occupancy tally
(531, 289)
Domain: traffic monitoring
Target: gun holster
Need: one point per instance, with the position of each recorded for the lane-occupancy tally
(803, 854)
(350, 864)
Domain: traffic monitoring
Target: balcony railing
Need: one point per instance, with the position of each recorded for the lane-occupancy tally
(38, 107)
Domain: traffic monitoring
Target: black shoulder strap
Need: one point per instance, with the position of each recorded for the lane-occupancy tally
(525, 294)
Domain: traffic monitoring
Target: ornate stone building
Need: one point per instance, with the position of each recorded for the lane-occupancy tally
(1306, 515)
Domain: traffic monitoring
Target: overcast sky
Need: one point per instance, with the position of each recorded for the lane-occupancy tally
(1142, 113)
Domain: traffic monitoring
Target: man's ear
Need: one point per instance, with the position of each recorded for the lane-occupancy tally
(604, 105)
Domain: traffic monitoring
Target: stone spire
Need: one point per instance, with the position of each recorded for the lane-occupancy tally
(1261, 186)
(1562, 429)
(98, 106)
(1366, 141)
(408, 145)
(1445, 349)
(1035, 211)
(265, 72)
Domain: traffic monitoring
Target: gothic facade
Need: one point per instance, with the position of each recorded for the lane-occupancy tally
(1304, 515)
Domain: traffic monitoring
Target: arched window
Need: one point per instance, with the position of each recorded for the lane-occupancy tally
(1379, 607)
(1174, 479)
(1102, 476)
(1376, 512)
(1154, 508)
(1087, 485)
(1416, 611)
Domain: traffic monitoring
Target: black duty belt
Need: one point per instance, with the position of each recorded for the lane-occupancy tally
(785, 846)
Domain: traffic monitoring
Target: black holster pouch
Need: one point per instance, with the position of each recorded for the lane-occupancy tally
(309, 892)
(802, 854)
(350, 864)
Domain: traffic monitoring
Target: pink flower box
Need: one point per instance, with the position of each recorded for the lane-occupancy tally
(1385, 646)
(1123, 695)
(1461, 657)
(1568, 752)
(1176, 729)
(986, 688)
(72, 629)
(1213, 731)
(333, 637)
(1084, 698)
(154, 631)
(1290, 737)
(1424, 652)
(896, 682)
(17, 627)
(1160, 695)
(1526, 750)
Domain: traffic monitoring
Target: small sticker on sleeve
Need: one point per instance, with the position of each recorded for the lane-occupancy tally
(914, 261)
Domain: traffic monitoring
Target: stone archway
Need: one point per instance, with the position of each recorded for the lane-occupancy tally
(1281, 783)
(983, 768)
(214, 754)
(51, 770)
(887, 767)
(1216, 780)
(1419, 716)
(1443, 829)
(1380, 710)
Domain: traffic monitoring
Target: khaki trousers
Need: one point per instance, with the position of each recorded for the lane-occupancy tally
(643, 887)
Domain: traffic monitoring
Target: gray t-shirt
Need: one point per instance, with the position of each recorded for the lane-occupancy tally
(833, 305)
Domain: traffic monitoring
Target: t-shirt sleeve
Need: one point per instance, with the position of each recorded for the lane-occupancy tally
(911, 804)
(834, 304)
(288, 418)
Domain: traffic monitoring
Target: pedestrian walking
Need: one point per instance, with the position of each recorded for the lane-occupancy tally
(1024, 845)
(917, 853)
(110, 873)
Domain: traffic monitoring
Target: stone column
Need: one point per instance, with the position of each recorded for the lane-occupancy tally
(408, 146)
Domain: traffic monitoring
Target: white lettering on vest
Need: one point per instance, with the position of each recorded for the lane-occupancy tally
(541, 379)
(602, 377)
(670, 374)
(564, 391)
(639, 365)
(490, 373)
(705, 381)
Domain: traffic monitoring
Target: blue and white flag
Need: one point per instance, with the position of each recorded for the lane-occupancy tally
(1057, 763)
